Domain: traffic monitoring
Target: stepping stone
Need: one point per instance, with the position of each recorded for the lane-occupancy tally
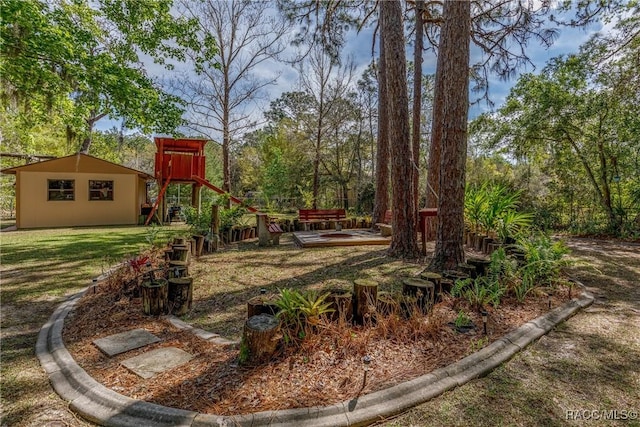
(156, 361)
(125, 341)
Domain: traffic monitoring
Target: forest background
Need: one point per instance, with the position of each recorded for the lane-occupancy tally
(566, 136)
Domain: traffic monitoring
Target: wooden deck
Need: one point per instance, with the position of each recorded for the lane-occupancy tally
(323, 238)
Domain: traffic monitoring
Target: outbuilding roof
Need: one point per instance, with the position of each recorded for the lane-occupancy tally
(77, 163)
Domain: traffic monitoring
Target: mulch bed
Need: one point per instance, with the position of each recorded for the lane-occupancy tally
(325, 369)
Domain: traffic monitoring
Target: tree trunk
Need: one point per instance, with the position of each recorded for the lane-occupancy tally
(435, 148)
(381, 202)
(417, 100)
(226, 139)
(404, 242)
(453, 60)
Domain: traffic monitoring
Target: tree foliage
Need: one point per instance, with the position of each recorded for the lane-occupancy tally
(78, 62)
(579, 118)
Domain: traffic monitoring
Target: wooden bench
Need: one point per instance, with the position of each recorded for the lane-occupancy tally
(268, 230)
(275, 231)
(320, 216)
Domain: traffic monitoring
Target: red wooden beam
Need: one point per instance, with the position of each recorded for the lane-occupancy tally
(220, 191)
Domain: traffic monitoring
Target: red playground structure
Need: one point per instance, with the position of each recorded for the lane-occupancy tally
(182, 161)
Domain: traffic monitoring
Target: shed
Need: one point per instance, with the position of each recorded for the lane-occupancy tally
(78, 190)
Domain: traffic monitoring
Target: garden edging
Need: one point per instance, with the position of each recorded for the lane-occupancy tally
(104, 406)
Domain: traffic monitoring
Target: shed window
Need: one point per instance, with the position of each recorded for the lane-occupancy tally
(100, 190)
(61, 189)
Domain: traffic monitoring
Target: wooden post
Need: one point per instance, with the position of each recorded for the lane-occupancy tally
(422, 290)
(215, 228)
(446, 285)
(434, 278)
(341, 303)
(181, 265)
(261, 337)
(387, 305)
(481, 264)
(177, 271)
(454, 275)
(263, 229)
(485, 244)
(155, 297)
(366, 297)
(180, 295)
(180, 253)
(468, 269)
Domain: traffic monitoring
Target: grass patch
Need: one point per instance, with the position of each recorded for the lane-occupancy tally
(39, 268)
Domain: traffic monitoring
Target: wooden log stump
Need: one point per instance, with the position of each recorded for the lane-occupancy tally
(342, 304)
(468, 269)
(387, 304)
(434, 278)
(177, 271)
(470, 238)
(480, 264)
(454, 275)
(365, 298)
(477, 243)
(408, 305)
(199, 244)
(485, 244)
(446, 285)
(180, 253)
(182, 266)
(262, 304)
(493, 247)
(422, 290)
(180, 295)
(260, 337)
(155, 297)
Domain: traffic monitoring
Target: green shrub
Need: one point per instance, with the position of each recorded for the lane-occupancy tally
(299, 312)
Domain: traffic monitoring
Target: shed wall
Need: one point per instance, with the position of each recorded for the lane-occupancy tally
(35, 210)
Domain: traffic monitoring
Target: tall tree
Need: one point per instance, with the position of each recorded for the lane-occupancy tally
(381, 202)
(417, 98)
(453, 63)
(247, 35)
(328, 82)
(403, 241)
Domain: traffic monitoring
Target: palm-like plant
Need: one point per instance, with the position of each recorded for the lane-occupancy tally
(493, 209)
(298, 311)
(474, 205)
(512, 222)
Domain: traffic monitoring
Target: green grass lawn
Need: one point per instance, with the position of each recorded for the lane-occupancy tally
(39, 269)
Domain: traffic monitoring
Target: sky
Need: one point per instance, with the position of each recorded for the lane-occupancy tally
(359, 48)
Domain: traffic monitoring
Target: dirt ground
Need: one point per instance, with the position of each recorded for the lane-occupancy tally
(588, 363)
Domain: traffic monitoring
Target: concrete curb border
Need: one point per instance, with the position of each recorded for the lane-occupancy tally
(103, 406)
